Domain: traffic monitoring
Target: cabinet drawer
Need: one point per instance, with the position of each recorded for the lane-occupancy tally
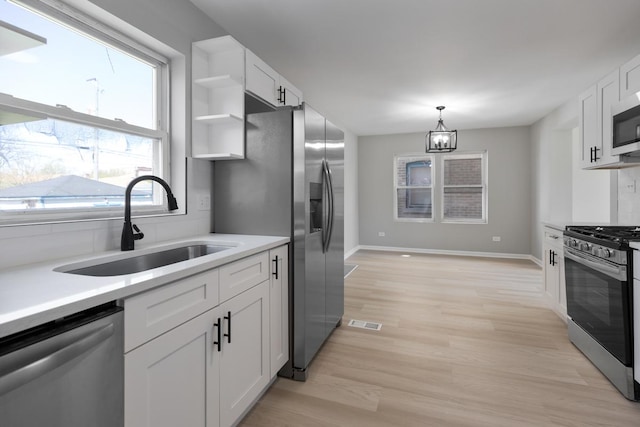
(553, 237)
(241, 275)
(154, 312)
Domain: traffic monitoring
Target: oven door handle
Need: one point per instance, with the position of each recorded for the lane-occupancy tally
(617, 272)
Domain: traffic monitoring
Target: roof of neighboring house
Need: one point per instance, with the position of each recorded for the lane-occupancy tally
(67, 186)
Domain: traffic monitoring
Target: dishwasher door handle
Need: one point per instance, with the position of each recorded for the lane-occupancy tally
(53, 360)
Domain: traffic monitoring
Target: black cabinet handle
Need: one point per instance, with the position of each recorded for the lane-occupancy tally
(228, 334)
(282, 95)
(275, 270)
(219, 341)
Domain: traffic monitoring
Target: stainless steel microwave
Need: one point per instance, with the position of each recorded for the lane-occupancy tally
(626, 126)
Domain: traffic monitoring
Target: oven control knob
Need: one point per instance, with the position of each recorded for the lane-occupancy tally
(572, 243)
(607, 253)
(585, 247)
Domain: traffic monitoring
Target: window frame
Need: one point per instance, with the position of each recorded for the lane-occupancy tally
(417, 157)
(483, 156)
(74, 19)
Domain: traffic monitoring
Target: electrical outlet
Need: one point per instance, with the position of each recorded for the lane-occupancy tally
(381, 234)
(204, 202)
(496, 238)
(630, 187)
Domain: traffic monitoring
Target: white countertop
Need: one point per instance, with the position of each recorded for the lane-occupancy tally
(34, 294)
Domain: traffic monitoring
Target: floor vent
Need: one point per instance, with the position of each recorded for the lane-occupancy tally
(365, 325)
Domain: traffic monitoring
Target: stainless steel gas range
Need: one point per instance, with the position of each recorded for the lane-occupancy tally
(599, 278)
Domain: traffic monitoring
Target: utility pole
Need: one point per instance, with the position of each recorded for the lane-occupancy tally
(96, 147)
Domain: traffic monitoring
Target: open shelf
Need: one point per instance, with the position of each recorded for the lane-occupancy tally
(219, 156)
(218, 82)
(219, 119)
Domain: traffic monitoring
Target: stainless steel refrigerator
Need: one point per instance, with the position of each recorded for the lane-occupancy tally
(291, 183)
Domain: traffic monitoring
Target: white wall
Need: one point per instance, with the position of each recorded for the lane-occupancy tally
(175, 23)
(351, 232)
(628, 192)
(563, 193)
(509, 172)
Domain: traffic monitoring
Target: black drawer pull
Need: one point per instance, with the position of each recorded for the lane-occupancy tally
(228, 334)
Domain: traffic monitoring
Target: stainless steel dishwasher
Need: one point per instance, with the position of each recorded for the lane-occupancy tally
(69, 372)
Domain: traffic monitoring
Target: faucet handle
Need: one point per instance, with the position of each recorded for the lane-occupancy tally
(138, 235)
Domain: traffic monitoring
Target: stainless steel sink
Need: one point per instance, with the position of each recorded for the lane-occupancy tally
(136, 264)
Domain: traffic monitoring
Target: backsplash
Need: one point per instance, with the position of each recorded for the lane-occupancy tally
(629, 195)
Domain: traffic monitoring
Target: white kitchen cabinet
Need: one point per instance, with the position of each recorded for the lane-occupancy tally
(244, 361)
(154, 312)
(630, 78)
(243, 274)
(265, 82)
(587, 127)
(199, 349)
(288, 93)
(595, 124)
(279, 308)
(173, 380)
(608, 95)
(554, 281)
(218, 70)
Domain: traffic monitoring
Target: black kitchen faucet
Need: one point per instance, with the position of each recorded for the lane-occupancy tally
(128, 236)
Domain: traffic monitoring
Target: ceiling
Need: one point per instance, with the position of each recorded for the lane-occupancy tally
(381, 67)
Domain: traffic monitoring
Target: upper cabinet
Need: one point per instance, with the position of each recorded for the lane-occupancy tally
(630, 78)
(587, 128)
(218, 99)
(264, 82)
(222, 70)
(595, 120)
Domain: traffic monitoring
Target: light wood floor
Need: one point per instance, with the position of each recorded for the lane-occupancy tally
(464, 342)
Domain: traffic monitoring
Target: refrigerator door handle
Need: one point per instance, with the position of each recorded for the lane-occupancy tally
(326, 171)
(325, 214)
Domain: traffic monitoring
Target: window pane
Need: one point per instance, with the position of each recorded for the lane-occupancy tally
(414, 203)
(56, 164)
(413, 171)
(463, 171)
(77, 71)
(463, 203)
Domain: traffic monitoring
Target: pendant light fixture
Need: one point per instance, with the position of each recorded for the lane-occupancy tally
(441, 140)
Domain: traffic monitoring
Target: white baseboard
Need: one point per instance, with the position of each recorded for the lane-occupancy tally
(351, 252)
(444, 252)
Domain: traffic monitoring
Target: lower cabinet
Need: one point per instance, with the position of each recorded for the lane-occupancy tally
(209, 370)
(554, 282)
(244, 357)
(205, 372)
(279, 308)
(174, 379)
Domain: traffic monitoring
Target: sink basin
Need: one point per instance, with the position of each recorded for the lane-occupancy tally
(136, 264)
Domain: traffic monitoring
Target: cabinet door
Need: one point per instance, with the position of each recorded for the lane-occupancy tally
(630, 78)
(261, 80)
(173, 380)
(587, 126)
(244, 361)
(279, 308)
(608, 95)
(551, 284)
(288, 94)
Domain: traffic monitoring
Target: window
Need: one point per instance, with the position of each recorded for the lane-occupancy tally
(83, 110)
(413, 187)
(461, 190)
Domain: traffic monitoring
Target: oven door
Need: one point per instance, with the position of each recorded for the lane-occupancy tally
(599, 301)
